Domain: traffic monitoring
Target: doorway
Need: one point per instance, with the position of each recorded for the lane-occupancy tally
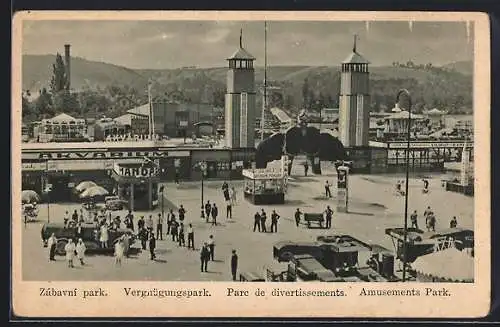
(60, 190)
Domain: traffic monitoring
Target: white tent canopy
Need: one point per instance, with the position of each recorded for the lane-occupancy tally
(64, 119)
(450, 263)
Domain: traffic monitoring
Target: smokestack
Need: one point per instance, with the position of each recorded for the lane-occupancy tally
(67, 58)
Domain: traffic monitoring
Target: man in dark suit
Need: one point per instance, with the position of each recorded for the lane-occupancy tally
(256, 224)
(234, 264)
(204, 257)
(208, 210)
(152, 246)
(297, 217)
(274, 222)
(215, 212)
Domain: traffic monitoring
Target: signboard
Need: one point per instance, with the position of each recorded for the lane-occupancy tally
(135, 171)
(99, 154)
(75, 165)
(428, 145)
(33, 166)
(183, 123)
(262, 174)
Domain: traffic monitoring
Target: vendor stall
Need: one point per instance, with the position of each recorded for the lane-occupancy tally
(263, 186)
(137, 184)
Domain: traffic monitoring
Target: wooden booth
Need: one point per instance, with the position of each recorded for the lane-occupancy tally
(264, 186)
(137, 184)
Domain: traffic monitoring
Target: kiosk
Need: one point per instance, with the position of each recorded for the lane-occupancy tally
(264, 186)
(342, 188)
(137, 184)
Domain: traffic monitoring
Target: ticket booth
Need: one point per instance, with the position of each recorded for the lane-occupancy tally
(137, 184)
(264, 186)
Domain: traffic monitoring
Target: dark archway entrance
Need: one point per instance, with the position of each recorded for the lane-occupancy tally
(300, 140)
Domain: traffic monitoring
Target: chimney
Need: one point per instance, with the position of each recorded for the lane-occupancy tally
(67, 57)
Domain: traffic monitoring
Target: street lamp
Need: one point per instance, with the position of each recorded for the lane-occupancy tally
(405, 237)
(162, 201)
(48, 188)
(203, 169)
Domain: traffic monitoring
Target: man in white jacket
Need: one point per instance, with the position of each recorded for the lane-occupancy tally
(80, 251)
(51, 244)
(70, 249)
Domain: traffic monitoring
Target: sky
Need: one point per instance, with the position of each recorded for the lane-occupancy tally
(173, 44)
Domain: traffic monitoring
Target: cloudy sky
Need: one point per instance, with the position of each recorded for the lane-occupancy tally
(170, 44)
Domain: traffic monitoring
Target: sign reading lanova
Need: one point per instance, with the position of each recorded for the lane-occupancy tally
(402, 145)
(141, 171)
(70, 155)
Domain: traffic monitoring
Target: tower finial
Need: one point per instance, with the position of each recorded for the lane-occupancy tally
(354, 45)
(241, 38)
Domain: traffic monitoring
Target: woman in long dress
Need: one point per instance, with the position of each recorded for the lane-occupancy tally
(233, 195)
(104, 236)
(80, 251)
(119, 251)
(70, 249)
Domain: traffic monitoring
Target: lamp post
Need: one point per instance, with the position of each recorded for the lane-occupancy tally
(203, 169)
(405, 236)
(47, 189)
(162, 201)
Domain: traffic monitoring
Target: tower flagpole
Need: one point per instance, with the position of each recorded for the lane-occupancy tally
(151, 119)
(264, 103)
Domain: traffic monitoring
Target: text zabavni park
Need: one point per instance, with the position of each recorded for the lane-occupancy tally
(242, 292)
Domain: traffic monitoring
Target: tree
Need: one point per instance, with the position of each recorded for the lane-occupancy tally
(218, 98)
(59, 79)
(65, 102)
(27, 107)
(43, 103)
(93, 102)
(305, 93)
(276, 100)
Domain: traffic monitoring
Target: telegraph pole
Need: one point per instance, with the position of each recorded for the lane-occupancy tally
(405, 237)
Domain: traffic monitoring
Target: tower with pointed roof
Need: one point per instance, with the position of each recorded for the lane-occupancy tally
(240, 99)
(354, 102)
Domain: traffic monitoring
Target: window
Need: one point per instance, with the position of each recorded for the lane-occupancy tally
(223, 165)
(243, 119)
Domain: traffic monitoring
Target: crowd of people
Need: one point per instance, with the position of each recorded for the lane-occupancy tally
(430, 220)
(173, 227)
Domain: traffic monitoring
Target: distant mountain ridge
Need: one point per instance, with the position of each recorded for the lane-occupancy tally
(37, 71)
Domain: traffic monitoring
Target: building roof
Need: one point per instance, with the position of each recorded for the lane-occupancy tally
(404, 115)
(140, 111)
(280, 114)
(124, 119)
(396, 108)
(355, 58)
(204, 123)
(64, 119)
(241, 54)
(435, 112)
(330, 110)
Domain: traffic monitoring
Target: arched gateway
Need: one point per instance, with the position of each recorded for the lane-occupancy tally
(300, 140)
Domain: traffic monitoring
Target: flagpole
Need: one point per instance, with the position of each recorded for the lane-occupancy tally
(264, 104)
(151, 115)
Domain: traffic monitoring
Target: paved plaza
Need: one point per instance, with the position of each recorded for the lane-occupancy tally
(373, 207)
